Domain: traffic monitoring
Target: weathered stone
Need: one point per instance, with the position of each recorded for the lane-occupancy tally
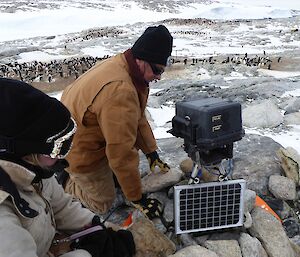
(296, 248)
(296, 241)
(247, 220)
(249, 200)
(169, 211)
(254, 160)
(224, 248)
(251, 246)
(293, 105)
(282, 187)
(290, 162)
(157, 181)
(292, 119)
(210, 175)
(201, 239)
(186, 165)
(149, 241)
(263, 115)
(187, 240)
(194, 251)
(270, 233)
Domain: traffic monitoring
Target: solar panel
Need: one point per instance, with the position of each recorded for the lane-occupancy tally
(208, 206)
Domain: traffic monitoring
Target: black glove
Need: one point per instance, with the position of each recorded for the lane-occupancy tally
(107, 243)
(154, 161)
(97, 221)
(152, 208)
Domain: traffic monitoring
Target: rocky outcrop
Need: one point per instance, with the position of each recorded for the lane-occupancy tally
(149, 241)
(270, 232)
(262, 115)
(262, 235)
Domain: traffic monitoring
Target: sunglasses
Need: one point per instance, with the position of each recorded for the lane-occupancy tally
(156, 71)
(62, 142)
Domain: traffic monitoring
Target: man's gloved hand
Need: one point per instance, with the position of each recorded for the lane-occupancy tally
(154, 161)
(152, 208)
(108, 243)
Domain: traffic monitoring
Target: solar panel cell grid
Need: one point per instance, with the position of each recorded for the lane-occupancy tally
(208, 206)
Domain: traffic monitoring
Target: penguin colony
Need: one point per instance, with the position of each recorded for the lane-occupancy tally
(74, 67)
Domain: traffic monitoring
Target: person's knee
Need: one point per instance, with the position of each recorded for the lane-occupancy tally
(97, 195)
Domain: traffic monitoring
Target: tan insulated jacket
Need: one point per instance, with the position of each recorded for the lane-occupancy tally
(109, 111)
(21, 236)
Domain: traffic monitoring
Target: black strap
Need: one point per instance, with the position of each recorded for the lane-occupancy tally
(7, 185)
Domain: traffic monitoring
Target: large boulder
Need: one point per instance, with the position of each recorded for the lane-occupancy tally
(149, 241)
(271, 234)
(282, 187)
(255, 160)
(263, 115)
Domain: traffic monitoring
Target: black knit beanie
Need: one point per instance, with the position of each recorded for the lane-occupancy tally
(154, 45)
(28, 118)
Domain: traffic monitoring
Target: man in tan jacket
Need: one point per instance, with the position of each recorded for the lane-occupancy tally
(108, 103)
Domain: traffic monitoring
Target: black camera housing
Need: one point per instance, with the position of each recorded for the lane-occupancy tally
(208, 126)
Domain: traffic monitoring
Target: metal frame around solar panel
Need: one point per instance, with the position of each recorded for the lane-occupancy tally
(208, 206)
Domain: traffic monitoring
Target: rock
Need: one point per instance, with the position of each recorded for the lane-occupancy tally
(290, 162)
(247, 220)
(169, 211)
(292, 119)
(249, 200)
(296, 248)
(186, 165)
(292, 227)
(286, 211)
(156, 181)
(282, 187)
(207, 176)
(187, 240)
(149, 241)
(254, 160)
(296, 240)
(263, 115)
(194, 251)
(210, 175)
(224, 248)
(293, 105)
(251, 246)
(279, 206)
(201, 239)
(270, 233)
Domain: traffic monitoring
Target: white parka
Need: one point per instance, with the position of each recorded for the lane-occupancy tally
(21, 236)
